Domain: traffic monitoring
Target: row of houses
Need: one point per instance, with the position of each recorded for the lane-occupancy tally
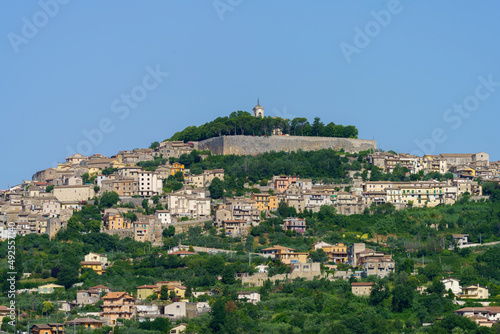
(428, 163)
(363, 195)
(372, 262)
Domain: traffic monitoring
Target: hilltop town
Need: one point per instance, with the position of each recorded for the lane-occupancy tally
(193, 235)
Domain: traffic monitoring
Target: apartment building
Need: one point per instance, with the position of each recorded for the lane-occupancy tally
(149, 184)
(117, 305)
(189, 204)
(265, 202)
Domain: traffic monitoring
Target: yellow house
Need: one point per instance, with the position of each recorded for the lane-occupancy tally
(86, 323)
(94, 171)
(48, 288)
(95, 261)
(289, 258)
(114, 221)
(177, 167)
(469, 171)
(64, 166)
(144, 291)
(51, 328)
(265, 202)
(336, 253)
(95, 265)
(475, 292)
(180, 290)
(176, 286)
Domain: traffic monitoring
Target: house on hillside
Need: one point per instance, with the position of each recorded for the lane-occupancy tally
(452, 284)
(117, 305)
(475, 292)
(361, 288)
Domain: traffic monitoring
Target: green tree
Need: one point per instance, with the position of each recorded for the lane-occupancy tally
(169, 231)
(164, 293)
(217, 315)
(402, 298)
(319, 256)
(47, 307)
(228, 274)
(179, 176)
(109, 199)
(154, 145)
(67, 276)
(216, 188)
(380, 292)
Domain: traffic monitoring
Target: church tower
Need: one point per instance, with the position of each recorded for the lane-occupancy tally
(258, 110)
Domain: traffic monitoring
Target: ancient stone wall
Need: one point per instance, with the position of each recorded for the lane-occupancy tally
(252, 145)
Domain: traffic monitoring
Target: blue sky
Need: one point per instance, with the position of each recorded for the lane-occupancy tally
(395, 70)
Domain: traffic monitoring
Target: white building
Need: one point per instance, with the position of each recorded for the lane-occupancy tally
(188, 204)
(149, 184)
(164, 216)
(262, 268)
(250, 296)
(453, 284)
(52, 208)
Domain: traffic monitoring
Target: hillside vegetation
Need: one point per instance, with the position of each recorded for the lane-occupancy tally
(242, 123)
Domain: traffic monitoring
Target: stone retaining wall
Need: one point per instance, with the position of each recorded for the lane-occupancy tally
(253, 145)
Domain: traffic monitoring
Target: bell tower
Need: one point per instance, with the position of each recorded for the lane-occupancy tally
(258, 110)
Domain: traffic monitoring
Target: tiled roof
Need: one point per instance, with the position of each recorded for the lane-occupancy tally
(361, 284)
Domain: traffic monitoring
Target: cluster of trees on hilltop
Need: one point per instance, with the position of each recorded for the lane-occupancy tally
(243, 123)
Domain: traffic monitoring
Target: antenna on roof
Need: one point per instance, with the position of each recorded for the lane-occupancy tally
(258, 102)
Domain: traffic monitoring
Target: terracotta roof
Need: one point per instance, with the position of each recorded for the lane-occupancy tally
(147, 287)
(181, 253)
(99, 287)
(177, 286)
(277, 247)
(476, 316)
(4, 308)
(361, 284)
(86, 320)
(117, 295)
(488, 309)
(41, 183)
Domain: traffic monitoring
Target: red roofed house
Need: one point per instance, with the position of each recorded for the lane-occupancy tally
(361, 288)
(480, 314)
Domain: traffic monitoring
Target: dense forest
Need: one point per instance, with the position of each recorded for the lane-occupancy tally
(243, 123)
